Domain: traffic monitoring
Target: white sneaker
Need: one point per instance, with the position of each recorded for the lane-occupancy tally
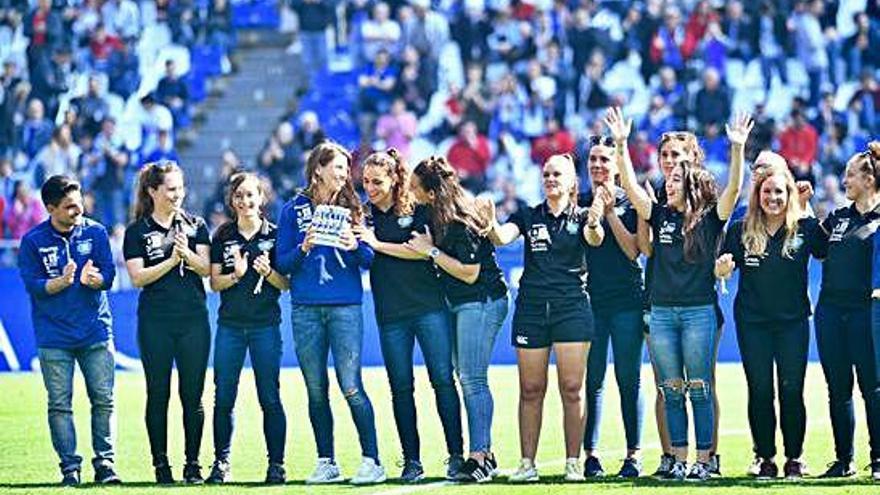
(326, 471)
(369, 473)
(527, 472)
(573, 470)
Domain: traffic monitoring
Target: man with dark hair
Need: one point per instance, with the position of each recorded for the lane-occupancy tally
(66, 266)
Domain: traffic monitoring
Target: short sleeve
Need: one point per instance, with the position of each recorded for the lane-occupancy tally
(630, 218)
(464, 245)
(732, 243)
(658, 213)
(815, 239)
(216, 250)
(520, 219)
(202, 235)
(132, 245)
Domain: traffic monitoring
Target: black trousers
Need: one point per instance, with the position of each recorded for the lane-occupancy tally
(165, 341)
(784, 344)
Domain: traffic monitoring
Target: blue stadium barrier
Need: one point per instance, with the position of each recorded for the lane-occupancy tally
(18, 351)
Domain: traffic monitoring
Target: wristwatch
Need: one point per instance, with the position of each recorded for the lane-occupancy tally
(433, 253)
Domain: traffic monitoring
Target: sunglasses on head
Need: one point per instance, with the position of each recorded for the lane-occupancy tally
(601, 141)
(678, 135)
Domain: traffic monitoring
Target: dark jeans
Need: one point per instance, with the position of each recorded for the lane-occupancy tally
(785, 344)
(875, 332)
(316, 331)
(844, 340)
(230, 347)
(434, 334)
(625, 330)
(97, 366)
(164, 342)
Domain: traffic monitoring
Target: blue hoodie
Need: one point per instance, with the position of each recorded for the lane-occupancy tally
(325, 275)
(78, 316)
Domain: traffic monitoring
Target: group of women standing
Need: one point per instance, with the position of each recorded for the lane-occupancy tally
(430, 250)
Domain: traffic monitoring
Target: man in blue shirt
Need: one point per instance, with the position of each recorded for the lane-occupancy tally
(66, 266)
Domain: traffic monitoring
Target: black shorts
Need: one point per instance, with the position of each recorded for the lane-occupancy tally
(540, 324)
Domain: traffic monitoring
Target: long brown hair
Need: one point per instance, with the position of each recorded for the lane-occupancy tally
(394, 166)
(320, 156)
(691, 144)
(700, 195)
(226, 230)
(452, 203)
(754, 235)
(151, 176)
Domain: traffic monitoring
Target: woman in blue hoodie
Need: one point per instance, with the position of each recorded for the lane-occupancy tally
(326, 294)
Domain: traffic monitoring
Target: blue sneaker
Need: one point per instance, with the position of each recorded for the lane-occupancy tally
(413, 472)
(593, 468)
(631, 468)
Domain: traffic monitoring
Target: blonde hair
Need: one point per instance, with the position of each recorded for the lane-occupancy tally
(754, 235)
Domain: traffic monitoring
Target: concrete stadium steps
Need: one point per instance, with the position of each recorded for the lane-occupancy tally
(245, 110)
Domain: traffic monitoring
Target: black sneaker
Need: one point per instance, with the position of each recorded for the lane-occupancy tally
(192, 474)
(666, 463)
(163, 475)
(70, 478)
(220, 473)
(632, 468)
(413, 472)
(593, 468)
(839, 469)
(472, 472)
(700, 471)
(453, 466)
(275, 475)
(768, 470)
(715, 465)
(794, 469)
(875, 469)
(491, 463)
(105, 475)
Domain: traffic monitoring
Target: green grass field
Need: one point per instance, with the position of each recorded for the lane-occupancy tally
(28, 464)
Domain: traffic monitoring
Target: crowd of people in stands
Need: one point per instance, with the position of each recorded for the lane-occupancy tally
(86, 90)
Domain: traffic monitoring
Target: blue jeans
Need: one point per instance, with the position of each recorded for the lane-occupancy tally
(434, 334)
(97, 365)
(683, 348)
(844, 341)
(625, 330)
(875, 334)
(476, 326)
(230, 347)
(318, 330)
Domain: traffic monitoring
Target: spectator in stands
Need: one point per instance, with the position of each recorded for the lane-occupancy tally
(827, 116)
(811, 44)
(659, 119)
(799, 144)
(829, 197)
(123, 70)
(43, 27)
(7, 182)
(510, 102)
(697, 27)
(24, 212)
(59, 157)
(582, 41)
(739, 32)
(763, 134)
(667, 44)
(14, 92)
(182, 21)
(427, 31)
(91, 108)
(866, 103)
(309, 134)
(470, 157)
(414, 83)
(376, 83)
(122, 18)
(101, 47)
(174, 94)
(860, 48)
(36, 131)
(164, 149)
(591, 96)
(835, 148)
(673, 94)
(477, 99)
(470, 29)
(397, 128)
(218, 26)
(380, 32)
(772, 33)
(644, 157)
(712, 103)
(556, 141)
(281, 159)
(49, 78)
(314, 18)
(153, 118)
(110, 178)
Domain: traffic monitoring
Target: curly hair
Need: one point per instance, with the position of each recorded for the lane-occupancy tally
(451, 203)
(319, 157)
(393, 164)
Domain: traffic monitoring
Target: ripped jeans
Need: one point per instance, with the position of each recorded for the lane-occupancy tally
(317, 330)
(682, 347)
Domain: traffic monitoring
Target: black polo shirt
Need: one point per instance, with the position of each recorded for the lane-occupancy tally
(554, 253)
(170, 295)
(239, 306)
(772, 287)
(402, 288)
(470, 249)
(614, 281)
(846, 244)
(677, 281)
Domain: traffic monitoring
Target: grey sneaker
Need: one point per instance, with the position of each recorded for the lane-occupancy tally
(453, 467)
(413, 472)
(527, 472)
(220, 473)
(326, 471)
(369, 473)
(666, 463)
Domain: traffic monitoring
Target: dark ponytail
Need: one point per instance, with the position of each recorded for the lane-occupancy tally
(151, 176)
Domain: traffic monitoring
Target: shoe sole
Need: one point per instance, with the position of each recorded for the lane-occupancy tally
(381, 479)
(573, 479)
(338, 479)
(530, 479)
(413, 481)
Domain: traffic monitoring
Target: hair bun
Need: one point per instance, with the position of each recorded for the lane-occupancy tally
(393, 153)
(874, 149)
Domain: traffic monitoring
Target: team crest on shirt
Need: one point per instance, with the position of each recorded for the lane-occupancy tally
(84, 247)
(230, 249)
(405, 222)
(571, 227)
(839, 230)
(539, 238)
(303, 216)
(154, 245)
(667, 231)
(50, 259)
